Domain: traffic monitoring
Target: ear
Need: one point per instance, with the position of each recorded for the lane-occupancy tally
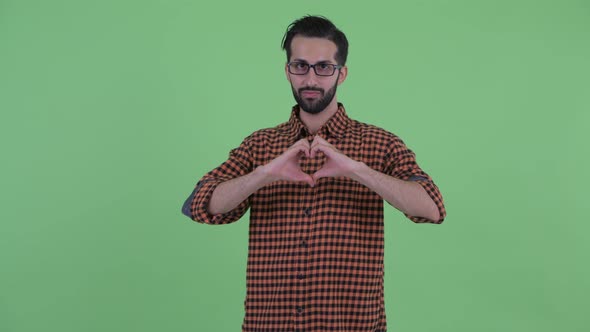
(343, 74)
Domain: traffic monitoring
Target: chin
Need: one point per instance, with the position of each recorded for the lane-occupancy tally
(312, 112)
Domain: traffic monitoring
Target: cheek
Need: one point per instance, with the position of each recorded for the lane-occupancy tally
(295, 81)
(329, 85)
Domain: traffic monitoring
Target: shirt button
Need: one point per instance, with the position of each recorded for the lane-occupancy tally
(300, 276)
(299, 310)
(304, 243)
(307, 212)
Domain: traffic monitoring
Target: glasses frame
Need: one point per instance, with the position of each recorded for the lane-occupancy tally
(309, 66)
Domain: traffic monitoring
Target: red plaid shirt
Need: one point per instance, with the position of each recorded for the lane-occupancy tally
(315, 256)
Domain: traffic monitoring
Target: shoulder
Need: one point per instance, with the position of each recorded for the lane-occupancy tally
(374, 133)
(265, 136)
(266, 133)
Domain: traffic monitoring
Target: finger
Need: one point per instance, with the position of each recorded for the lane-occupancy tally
(321, 173)
(319, 139)
(315, 147)
(310, 181)
(304, 144)
(313, 151)
(321, 142)
(293, 151)
(298, 145)
(316, 141)
(306, 150)
(299, 148)
(303, 141)
(322, 148)
(303, 177)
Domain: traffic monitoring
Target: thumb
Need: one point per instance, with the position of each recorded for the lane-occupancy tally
(321, 173)
(304, 177)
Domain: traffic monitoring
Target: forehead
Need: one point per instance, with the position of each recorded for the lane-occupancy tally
(313, 49)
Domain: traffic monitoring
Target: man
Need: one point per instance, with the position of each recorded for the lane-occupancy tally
(315, 187)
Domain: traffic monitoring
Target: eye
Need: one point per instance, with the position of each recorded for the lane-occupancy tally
(324, 69)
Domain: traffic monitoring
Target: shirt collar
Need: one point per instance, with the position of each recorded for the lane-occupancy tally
(334, 127)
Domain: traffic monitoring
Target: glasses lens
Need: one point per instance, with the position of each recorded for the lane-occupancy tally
(298, 68)
(324, 69)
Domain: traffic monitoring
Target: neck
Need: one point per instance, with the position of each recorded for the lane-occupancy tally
(314, 122)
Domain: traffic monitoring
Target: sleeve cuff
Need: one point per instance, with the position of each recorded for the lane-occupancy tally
(200, 202)
(432, 191)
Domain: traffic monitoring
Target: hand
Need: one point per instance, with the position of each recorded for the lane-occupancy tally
(336, 164)
(286, 166)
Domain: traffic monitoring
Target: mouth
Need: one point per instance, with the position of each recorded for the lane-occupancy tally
(310, 94)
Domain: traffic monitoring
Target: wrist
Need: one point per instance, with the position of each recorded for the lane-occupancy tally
(356, 170)
(360, 171)
(262, 175)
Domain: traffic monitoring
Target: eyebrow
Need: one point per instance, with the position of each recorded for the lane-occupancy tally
(319, 62)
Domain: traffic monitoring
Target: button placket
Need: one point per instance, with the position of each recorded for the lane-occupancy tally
(300, 274)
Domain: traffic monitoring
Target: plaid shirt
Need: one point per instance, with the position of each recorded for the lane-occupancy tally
(315, 256)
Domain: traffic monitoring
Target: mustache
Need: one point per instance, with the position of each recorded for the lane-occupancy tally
(309, 88)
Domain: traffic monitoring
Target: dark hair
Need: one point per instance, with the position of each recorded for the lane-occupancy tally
(316, 26)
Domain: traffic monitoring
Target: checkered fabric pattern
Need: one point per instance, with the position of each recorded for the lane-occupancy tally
(315, 256)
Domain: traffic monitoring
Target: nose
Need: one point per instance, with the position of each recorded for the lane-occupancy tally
(311, 78)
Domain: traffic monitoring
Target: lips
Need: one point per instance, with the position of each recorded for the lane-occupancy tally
(310, 94)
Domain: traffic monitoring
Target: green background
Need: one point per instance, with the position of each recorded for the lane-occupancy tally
(112, 110)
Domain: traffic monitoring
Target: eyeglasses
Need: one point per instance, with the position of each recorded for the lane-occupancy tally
(320, 69)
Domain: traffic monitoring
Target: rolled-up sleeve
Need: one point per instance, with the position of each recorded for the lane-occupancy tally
(401, 163)
(238, 164)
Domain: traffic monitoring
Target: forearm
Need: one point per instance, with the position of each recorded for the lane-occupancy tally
(406, 196)
(231, 193)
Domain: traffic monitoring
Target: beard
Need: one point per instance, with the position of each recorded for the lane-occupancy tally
(314, 106)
